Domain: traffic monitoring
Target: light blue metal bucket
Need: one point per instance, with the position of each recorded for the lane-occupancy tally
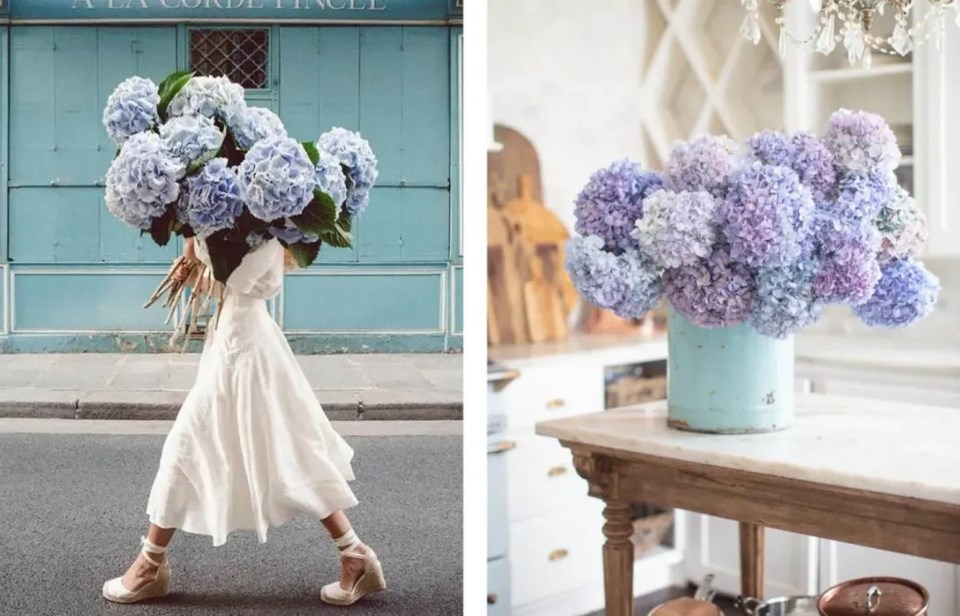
(728, 380)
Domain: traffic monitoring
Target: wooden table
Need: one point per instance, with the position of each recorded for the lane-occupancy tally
(879, 474)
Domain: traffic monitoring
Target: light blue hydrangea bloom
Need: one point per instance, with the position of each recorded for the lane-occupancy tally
(278, 177)
(190, 137)
(142, 180)
(677, 228)
(251, 124)
(784, 302)
(131, 109)
(353, 151)
(628, 283)
(331, 179)
(208, 96)
(214, 198)
(906, 293)
(290, 234)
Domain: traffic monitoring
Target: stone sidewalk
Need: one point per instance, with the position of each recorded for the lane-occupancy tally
(153, 386)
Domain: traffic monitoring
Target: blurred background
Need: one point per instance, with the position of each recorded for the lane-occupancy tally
(576, 85)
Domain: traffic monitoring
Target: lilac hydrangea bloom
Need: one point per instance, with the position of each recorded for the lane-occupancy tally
(190, 137)
(214, 198)
(784, 302)
(331, 179)
(353, 151)
(701, 164)
(627, 283)
(208, 96)
(771, 148)
(861, 141)
(142, 180)
(849, 270)
(677, 228)
(766, 215)
(714, 292)
(611, 202)
(278, 177)
(814, 165)
(902, 226)
(251, 124)
(906, 293)
(131, 109)
(860, 196)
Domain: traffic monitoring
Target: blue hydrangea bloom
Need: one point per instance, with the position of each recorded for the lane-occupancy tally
(766, 215)
(331, 179)
(814, 165)
(278, 177)
(771, 148)
(610, 203)
(290, 234)
(627, 283)
(714, 292)
(354, 152)
(208, 96)
(142, 180)
(849, 270)
(701, 164)
(131, 109)
(861, 141)
(214, 198)
(677, 228)
(251, 124)
(905, 294)
(861, 196)
(784, 302)
(190, 137)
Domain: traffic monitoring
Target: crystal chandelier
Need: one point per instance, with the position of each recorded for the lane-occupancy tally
(849, 21)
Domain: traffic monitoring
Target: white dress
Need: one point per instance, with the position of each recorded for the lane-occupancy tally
(251, 446)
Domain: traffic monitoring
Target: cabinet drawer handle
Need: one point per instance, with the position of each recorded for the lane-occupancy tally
(557, 471)
(501, 447)
(556, 403)
(491, 598)
(556, 555)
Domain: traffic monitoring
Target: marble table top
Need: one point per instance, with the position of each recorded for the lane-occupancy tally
(886, 447)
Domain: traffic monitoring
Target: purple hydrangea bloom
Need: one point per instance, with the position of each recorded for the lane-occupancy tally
(714, 292)
(610, 203)
(902, 226)
(771, 148)
(701, 164)
(628, 283)
(905, 294)
(849, 270)
(677, 228)
(813, 163)
(861, 141)
(766, 215)
(784, 302)
(861, 196)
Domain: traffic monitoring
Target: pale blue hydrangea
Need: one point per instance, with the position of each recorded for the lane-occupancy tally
(902, 226)
(861, 141)
(214, 198)
(190, 137)
(861, 196)
(142, 180)
(251, 124)
(766, 215)
(612, 201)
(784, 302)
(331, 179)
(213, 97)
(704, 163)
(278, 177)
(628, 284)
(677, 228)
(290, 234)
(131, 109)
(713, 292)
(905, 294)
(355, 153)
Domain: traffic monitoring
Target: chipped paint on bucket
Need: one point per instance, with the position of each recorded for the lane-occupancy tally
(728, 380)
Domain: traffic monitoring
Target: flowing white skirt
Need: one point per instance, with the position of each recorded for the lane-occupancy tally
(251, 447)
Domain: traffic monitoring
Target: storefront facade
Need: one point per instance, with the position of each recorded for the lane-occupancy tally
(74, 279)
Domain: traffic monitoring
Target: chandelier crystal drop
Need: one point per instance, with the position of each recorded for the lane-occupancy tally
(849, 22)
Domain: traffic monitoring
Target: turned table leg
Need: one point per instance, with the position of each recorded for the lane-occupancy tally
(751, 560)
(618, 558)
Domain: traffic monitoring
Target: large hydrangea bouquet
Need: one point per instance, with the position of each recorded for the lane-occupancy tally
(766, 233)
(193, 159)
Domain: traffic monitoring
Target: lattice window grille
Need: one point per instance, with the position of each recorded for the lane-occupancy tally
(241, 55)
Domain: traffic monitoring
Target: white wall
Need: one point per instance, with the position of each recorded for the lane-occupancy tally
(566, 73)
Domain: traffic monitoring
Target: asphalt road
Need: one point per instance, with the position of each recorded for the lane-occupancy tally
(72, 512)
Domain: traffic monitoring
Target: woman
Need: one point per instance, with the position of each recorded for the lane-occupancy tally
(251, 446)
